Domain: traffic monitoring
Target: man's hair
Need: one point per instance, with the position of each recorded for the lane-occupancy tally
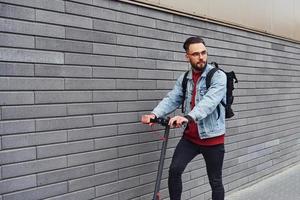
(192, 40)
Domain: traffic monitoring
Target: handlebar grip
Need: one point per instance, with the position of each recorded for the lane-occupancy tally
(153, 120)
(161, 121)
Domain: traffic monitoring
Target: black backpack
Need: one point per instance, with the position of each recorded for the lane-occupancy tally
(231, 79)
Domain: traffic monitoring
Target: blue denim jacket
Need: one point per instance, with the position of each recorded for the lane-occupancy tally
(204, 113)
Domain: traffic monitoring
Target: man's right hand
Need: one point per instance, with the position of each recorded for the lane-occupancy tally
(146, 119)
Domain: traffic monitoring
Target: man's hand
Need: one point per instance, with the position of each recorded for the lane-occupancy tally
(146, 119)
(177, 121)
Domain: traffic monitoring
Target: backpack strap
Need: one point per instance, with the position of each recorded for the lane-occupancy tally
(210, 75)
(208, 82)
(184, 85)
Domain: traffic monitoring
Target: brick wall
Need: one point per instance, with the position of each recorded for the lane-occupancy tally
(75, 76)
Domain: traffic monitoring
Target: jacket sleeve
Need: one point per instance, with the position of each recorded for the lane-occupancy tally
(172, 100)
(216, 92)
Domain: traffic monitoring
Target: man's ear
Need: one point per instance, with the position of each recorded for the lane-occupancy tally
(187, 58)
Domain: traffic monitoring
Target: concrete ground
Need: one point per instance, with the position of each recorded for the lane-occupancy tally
(283, 186)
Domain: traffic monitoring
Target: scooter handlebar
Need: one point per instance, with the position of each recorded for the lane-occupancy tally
(161, 121)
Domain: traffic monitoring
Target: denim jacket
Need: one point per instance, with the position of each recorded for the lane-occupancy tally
(204, 113)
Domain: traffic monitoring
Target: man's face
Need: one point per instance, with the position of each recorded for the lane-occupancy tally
(197, 56)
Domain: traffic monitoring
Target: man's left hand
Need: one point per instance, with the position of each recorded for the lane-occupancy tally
(177, 121)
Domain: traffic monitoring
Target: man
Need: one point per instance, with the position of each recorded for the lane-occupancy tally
(205, 129)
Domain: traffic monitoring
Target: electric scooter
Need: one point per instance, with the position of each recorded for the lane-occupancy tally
(164, 122)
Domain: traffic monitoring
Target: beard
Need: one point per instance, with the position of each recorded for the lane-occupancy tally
(199, 66)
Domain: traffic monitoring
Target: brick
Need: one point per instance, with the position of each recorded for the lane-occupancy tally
(115, 5)
(134, 128)
(155, 14)
(161, 84)
(109, 197)
(144, 42)
(36, 166)
(179, 57)
(169, 65)
(115, 164)
(135, 193)
(62, 96)
(272, 143)
(57, 5)
(39, 193)
(177, 75)
(91, 11)
(63, 123)
(91, 108)
(131, 40)
(116, 141)
(15, 69)
(115, 118)
(80, 195)
(63, 19)
(234, 169)
(256, 147)
(16, 83)
(102, 3)
(151, 95)
(102, 13)
(88, 35)
(21, 112)
(62, 71)
(76, 8)
(13, 98)
(155, 54)
(169, 26)
(136, 20)
(15, 26)
(114, 95)
(19, 126)
(14, 184)
(137, 148)
(114, 27)
(64, 174)
(91, 181)
(91, 133)
(157, 34)
(63, 45)
(116, 187)
(89, 84)
(149, 157)
(110, 188)
(21, 55)
(17, 155)
(93, 156)
(265, 165)
(84, 1)
(11, 40)
(64, 148)
(86, 59)
(135, 63)
(32, 139)
(136, 84)
(108, 49)
(136, 106)
(150, 74)
(11, 11)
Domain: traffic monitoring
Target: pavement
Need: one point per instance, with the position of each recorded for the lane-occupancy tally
(282, 186)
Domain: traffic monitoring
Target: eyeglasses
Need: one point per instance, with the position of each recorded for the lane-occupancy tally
(197, 54)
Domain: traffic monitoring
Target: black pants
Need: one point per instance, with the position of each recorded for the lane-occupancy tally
(184, 153)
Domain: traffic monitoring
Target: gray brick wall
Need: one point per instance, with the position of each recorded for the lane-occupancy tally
(75, 77)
